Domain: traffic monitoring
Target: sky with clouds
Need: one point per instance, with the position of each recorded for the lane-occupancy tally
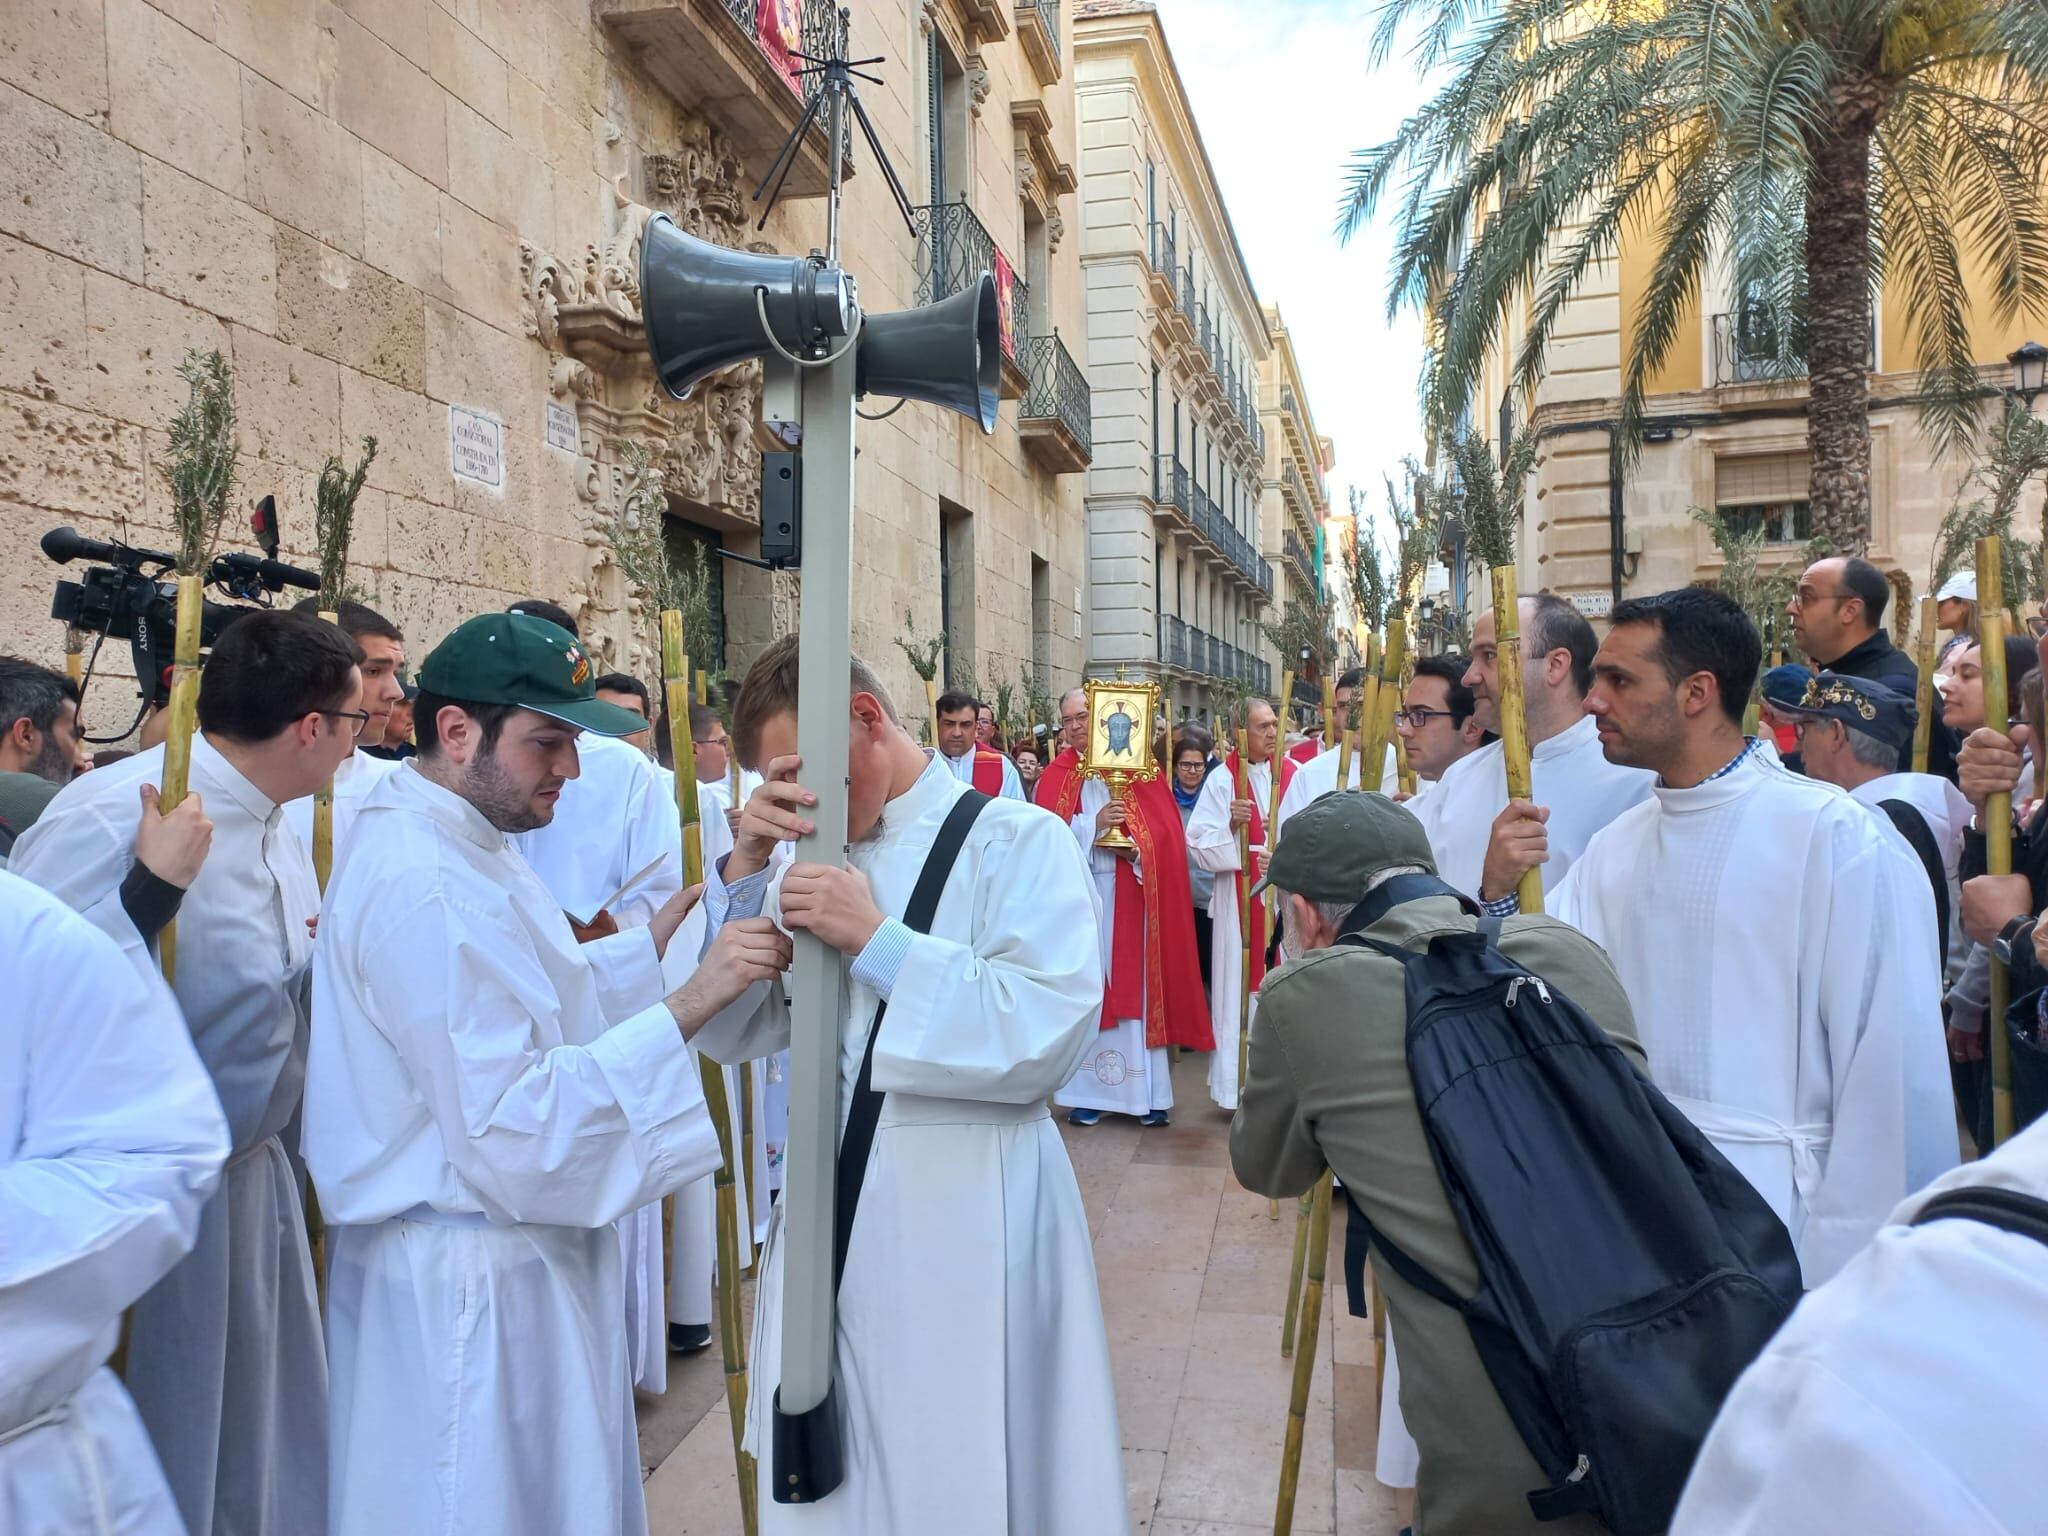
(1284, 91)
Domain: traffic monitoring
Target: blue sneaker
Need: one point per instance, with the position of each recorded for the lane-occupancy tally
(1157, 1117)
(1084, 1116)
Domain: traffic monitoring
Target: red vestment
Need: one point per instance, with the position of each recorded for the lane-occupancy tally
(1255, 836)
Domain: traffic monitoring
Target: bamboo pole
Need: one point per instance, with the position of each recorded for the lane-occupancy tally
(178, 744)
(1271, 898)
(1304, 1354)
(1245, 881)
(1365, 698)
(1514, 710)
(323, 810)
(1923, 694)
(931, 708)
(74, 652)
(1372, 770)
(675, 671)
(1343, 733)
(1404, 771)
(1997, 819)
(1294, 1277)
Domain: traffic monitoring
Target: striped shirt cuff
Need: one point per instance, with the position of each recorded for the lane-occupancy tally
(882, 957)
(1508, 906)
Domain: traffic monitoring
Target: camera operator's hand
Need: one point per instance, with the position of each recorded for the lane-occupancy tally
(172, 846)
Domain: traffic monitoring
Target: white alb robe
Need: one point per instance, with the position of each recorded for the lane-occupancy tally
(111, 1141)
(1569, 774)
(1118, 1073)
(963, 769)
(1772, 936)
(1212, 845)
(486, 1097)
(225, 1358)
(1318, 777)
(612, 821)
(353, 780)
(972, 1368)
(1904, 1396)
(1947, 814)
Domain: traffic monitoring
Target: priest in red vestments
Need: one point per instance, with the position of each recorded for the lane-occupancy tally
(1153, 995)
(972, 763)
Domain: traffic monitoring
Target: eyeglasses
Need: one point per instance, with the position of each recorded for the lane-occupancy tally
(1808, 599)
(1416, 719)
(360, 716)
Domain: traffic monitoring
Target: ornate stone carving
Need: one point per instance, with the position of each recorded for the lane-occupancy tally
(978, 84)
(1055, 230)
(586, 309)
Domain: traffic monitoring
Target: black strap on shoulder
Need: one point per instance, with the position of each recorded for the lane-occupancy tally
(1913, 827)
(1402, 888)
(859, 1139)
(2006, 1209)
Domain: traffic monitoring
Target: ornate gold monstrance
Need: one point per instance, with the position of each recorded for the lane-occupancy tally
(1122, 718)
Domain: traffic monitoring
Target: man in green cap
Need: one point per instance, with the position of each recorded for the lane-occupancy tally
(485, 1098)
(1329, 1084)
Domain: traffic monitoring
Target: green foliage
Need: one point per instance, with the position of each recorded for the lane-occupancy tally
(1000, 694)
(1294, 630)
(1484, 494)
(1363, 573)
(334, 514)
(2009, 454)
(1415, 530)
(1035, 683)
(636, 530)
(923, 653)
(200, 470)
(1763, 589)
(1709, 127)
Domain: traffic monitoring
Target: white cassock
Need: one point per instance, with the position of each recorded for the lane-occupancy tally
(225, 1359)
(613, 820)
(1947, 814)
(1212, 845)
(1904, 1396)
(1119, 1073)
(1568, 773)
(1773, 938)
(353, 780)
(963, 770)
(971, 1367)
(1318, 777)
(693, 1246)
(111, 1140)
(486, 1097)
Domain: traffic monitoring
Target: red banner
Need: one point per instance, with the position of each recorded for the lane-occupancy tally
(1006, 304)
(778, 25)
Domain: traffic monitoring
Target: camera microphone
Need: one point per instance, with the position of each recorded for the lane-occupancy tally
(65, 545)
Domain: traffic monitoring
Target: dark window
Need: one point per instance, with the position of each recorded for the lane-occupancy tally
(682, 539)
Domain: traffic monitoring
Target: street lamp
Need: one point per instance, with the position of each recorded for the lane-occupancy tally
(2029, 370)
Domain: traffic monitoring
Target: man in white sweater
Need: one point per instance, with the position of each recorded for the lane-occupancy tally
(1774, 936)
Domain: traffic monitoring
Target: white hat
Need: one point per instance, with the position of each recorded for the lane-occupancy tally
(1962, 585)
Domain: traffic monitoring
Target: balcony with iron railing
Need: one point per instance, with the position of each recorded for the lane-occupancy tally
(1038, 32)
(1056, 417)
(707, 55)
(953, 249)
(1173, 486)
(1758, 343)
(1304, 565)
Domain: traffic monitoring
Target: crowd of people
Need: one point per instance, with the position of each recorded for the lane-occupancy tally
(477, 1060)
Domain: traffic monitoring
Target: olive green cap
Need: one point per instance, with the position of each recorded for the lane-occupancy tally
(1331, 849)
(517, 659)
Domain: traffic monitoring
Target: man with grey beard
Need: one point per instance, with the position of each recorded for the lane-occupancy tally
(485, 1098)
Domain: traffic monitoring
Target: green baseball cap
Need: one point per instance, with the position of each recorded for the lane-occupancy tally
(1331, 849)
(514, 658)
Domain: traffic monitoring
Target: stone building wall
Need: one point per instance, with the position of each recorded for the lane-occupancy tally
(386, 212)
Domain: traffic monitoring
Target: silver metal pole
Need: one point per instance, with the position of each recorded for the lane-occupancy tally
(817, 988)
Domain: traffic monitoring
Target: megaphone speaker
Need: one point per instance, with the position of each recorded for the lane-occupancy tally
(702, 304)
(949, 353)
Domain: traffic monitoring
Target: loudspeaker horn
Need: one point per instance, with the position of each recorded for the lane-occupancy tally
(702, 304)
(949, 353)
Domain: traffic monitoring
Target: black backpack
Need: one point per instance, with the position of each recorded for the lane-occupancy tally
(1627, 1272)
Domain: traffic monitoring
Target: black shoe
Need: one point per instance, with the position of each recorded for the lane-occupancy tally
(1084, 1116)
(1156, 1117)
(688, 1338)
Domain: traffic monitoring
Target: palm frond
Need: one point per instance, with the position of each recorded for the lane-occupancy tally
(334, 514)
(922, 652)
(200, 469)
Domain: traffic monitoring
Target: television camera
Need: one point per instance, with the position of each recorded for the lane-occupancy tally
(126, 597)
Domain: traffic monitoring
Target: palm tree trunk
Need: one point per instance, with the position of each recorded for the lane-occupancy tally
(1838, 322)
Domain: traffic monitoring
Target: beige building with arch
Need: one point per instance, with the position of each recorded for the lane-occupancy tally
(422, 222)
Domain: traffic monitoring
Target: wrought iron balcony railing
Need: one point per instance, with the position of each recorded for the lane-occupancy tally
(1163, 259)
(1045, 15)
(1759, 342)
(1187, 292)
(1171, 486)
(1057, 394)
(1173, 641)
(953, 248)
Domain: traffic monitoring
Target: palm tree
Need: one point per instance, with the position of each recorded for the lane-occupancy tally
(1832, 145)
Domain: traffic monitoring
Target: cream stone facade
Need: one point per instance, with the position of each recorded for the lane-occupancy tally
(1177, 351)
(1296, 501)
(418, 218)
(1725, 429)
